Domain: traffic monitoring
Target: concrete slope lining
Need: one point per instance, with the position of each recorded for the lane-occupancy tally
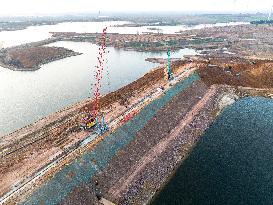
(83, 168)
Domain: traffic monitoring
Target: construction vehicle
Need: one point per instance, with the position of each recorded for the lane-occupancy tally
(87, 121)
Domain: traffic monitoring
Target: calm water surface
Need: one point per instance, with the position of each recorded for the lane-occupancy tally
(28, 96)
(233, 162)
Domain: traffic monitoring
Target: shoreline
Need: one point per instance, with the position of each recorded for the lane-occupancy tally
(38, 66)
(45, 134)
(143, 153)
(57, 132)
(204, 40)
(157, 74)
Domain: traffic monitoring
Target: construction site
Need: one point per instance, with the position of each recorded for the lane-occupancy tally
(125, 146)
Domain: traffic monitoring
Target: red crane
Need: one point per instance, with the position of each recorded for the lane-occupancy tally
(100, 122)
(90, 120)
(99, 73)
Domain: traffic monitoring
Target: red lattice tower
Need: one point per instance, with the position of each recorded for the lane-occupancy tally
(99, 73)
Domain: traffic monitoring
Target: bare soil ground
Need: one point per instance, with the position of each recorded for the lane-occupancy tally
(31, 57)
(237, 72)
(251, 41)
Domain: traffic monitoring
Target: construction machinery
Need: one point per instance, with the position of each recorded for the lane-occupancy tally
(169, 69)
(95, 118)
(87, 121)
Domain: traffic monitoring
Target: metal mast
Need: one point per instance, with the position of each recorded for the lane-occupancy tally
(170, 73)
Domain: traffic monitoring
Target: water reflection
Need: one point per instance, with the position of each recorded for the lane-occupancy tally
(28, 96)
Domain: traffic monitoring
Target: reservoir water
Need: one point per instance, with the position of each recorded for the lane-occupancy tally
(26, 97)
(232, 163)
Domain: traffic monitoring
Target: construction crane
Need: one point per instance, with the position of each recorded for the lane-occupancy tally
(95, 119)
(169, 69)
(101, 125)
(86, 120)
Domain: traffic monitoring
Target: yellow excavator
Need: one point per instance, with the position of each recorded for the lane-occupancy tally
(87, 121)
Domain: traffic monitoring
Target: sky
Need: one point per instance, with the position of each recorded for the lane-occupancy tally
(34, 7)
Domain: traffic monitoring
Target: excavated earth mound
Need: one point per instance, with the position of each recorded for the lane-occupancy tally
(238, 72)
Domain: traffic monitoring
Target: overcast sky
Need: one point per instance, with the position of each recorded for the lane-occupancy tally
(32, 7)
